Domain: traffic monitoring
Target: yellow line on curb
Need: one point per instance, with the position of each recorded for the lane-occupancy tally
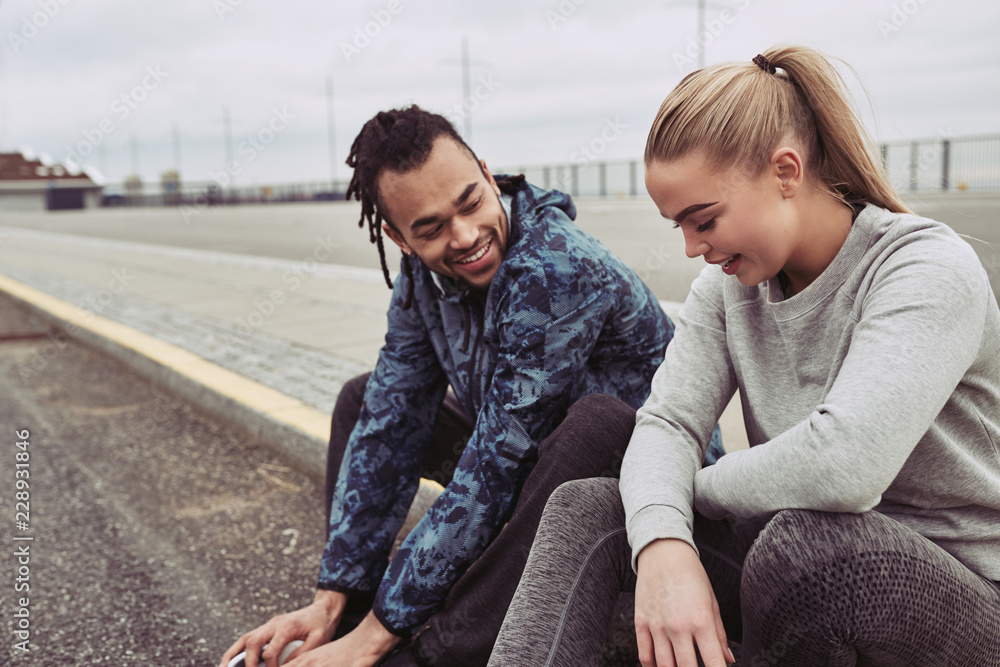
(256, 396)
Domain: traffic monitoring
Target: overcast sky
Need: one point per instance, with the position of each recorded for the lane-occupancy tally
(547, 76)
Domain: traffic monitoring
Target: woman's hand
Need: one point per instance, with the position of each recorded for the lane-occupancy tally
(676, 610)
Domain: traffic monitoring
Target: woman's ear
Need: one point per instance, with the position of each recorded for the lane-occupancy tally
(786, 165)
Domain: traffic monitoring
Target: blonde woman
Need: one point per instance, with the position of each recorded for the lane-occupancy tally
(863, 524)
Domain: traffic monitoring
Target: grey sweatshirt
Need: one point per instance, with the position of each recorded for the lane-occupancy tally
(876, 387)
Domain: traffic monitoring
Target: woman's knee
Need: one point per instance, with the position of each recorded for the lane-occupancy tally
(802, 545)
(591, 501)
(791, 543)
(581, 516)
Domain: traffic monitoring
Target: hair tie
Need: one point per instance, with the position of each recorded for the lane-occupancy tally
(763, 63)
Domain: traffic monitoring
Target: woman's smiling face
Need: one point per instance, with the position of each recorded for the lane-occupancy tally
(741, 223)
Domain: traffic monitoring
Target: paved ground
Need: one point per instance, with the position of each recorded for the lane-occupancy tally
(159, 534)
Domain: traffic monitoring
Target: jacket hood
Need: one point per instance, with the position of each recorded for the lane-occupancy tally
(527, 196)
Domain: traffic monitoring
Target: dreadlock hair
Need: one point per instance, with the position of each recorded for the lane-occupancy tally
(399, 140)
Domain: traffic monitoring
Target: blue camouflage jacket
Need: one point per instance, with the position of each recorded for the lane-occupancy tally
(563, 318)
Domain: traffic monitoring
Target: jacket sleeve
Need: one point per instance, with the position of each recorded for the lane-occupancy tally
(542, 350)
(381, 467)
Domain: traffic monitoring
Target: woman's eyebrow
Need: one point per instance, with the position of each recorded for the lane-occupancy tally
(691, 209)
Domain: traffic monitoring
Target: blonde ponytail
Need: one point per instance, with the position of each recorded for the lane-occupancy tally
(737, 113)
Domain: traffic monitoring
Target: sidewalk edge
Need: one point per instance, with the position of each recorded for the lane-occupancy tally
(281, 423)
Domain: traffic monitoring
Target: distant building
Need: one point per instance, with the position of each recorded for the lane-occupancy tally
(29, 185)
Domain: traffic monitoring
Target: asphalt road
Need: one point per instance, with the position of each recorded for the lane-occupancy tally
(632, 228)
(159, 536)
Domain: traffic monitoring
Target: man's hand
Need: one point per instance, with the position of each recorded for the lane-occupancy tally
(676, 610)
(314, 625)
(362, 647)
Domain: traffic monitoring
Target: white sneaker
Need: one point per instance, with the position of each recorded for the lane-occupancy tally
(239, 660)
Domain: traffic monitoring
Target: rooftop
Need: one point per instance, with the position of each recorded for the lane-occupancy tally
(15, 167)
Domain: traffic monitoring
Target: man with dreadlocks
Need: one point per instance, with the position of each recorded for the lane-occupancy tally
(537, 328)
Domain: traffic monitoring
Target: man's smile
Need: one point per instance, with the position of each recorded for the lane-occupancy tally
(478, 254)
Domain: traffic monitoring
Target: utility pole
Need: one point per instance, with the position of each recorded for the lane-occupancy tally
(3, 106)
(701, 26)
(466, 89)
(331, 133)
(135, 155)
(228, 130)
(177, 148)
(102, 149)
(468, 103)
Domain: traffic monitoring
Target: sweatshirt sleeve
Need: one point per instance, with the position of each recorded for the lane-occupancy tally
(381, 468)
(673, 429)
(920, 329)
(539, 357)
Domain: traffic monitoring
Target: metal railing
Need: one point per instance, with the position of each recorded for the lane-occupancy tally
(944, 163)
(959, 164)
(620, 179)
(208, 193)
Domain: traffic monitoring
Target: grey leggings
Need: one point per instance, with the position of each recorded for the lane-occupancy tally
(805, 588)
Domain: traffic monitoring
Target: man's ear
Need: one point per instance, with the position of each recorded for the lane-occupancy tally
(786, 165)
(489, 176)
(396, 238)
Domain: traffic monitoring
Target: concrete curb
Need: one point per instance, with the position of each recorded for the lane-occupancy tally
(285, 425)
